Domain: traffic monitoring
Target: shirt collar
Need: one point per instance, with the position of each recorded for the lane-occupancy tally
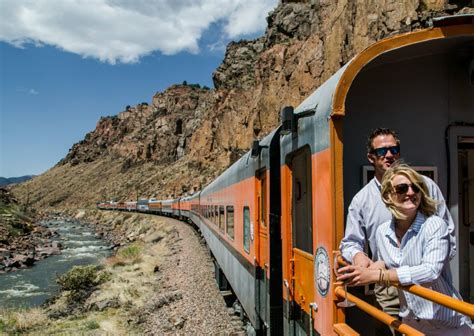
(415, 226)
(377, 183)
(418, 222)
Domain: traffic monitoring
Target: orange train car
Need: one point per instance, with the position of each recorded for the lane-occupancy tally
(154, 205)
(274, 219)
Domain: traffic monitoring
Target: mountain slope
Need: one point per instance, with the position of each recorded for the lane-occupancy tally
(187, 135)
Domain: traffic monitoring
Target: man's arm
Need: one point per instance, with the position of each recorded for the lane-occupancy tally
(443, 212)
(352, 245)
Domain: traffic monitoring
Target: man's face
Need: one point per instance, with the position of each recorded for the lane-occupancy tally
(382, 162)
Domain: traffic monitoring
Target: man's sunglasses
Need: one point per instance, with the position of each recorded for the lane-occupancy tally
(382, 151)
(402, 188)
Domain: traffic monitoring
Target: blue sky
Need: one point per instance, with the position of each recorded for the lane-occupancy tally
(64, 64)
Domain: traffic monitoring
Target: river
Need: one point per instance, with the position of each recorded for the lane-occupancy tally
(32, 286)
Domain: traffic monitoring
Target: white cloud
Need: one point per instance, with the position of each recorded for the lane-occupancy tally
(28, 91)
(125, 30)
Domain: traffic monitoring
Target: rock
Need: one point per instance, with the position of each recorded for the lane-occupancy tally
(167, 298)
(177, 322)
(105, 304)
(4, 253)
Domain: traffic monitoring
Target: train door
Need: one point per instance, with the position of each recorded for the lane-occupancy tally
(263, 274)
(466, 215)
(302, 284)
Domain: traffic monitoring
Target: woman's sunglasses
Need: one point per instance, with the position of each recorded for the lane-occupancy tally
(402, 188)
(382, 151)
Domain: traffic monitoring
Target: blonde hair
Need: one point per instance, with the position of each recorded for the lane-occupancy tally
(427, 204)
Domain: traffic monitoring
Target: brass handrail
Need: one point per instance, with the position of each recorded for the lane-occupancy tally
(377, 313)
(462, 307)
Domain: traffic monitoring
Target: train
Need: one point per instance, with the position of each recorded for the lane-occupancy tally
(274, 219)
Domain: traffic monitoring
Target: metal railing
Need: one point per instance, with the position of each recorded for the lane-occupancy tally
(377, 313)
(462, 307)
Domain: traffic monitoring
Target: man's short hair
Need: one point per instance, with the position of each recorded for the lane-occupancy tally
(380, 131)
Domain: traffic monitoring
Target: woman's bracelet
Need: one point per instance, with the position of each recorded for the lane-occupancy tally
(388, 278)
(380, 282)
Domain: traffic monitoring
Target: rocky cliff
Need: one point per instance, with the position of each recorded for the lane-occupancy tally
(187, 135)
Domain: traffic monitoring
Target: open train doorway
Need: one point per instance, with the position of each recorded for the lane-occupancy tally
(301, 255)
(465, 191)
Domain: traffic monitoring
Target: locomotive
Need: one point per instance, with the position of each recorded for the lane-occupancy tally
(274, 219)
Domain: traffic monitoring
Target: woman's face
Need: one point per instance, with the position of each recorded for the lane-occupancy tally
(407, 199)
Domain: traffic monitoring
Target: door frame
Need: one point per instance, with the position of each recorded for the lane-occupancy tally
(453, 133)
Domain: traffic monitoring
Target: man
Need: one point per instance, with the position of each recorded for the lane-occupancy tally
(367, 211)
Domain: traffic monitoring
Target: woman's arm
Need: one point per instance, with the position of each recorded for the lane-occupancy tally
(360, 276)
(435, 254)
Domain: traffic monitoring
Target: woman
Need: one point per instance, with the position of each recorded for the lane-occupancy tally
(414, 247)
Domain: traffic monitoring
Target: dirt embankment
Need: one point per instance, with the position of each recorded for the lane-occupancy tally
(159, 282)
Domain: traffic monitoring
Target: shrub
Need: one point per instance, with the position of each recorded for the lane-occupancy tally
(79, 278)
(91, 325)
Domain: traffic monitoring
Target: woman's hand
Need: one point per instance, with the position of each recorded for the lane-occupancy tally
(358, 276)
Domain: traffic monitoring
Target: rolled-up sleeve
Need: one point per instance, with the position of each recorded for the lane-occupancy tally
(354, 237)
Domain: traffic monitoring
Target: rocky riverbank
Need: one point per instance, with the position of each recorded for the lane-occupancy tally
(23, 241)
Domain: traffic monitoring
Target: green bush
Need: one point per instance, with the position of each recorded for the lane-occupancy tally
(79, 278)
(91, 325)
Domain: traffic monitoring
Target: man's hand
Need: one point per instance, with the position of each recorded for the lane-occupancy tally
(361, 259)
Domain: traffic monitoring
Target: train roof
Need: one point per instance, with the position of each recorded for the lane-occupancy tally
(243, 168)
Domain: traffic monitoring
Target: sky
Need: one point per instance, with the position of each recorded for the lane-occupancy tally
(66, 63)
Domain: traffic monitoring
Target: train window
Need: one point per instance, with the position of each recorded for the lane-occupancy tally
(221, 217)
(230, 221)
(247, 229)
(216, 215)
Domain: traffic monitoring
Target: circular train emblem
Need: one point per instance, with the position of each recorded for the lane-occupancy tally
(322, 271)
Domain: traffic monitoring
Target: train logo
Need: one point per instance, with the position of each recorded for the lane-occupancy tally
(322, 271)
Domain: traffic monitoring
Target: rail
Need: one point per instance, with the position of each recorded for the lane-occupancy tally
(377, 313)
(462, 307)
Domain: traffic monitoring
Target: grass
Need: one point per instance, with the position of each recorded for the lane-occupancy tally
(13, 321)
(129, 255)
(93, 324)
